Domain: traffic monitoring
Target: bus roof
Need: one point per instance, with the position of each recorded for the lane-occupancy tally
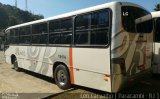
(98, 7)
(155, 14)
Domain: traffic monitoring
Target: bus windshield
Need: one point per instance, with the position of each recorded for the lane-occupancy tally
(130, 14)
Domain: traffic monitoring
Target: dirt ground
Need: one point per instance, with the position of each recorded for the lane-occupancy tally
(26, 82)
(30, 85)
(147, 88)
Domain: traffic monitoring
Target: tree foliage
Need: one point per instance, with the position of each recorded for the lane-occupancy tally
(10, 15)
(3, 18)
(157, 7)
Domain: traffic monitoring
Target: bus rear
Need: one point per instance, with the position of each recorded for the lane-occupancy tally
(131, 46)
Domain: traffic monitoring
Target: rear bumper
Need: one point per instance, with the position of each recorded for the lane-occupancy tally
(120, 82)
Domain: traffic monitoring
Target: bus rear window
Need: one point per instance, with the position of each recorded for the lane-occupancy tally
(130, 14)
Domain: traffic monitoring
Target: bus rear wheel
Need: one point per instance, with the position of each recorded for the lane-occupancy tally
(15, 65)
(62, 77)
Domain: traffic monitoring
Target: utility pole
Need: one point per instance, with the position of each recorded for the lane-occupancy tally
(26, 5)
(16, 3)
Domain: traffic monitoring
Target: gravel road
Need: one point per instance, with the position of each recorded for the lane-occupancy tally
(25, 82)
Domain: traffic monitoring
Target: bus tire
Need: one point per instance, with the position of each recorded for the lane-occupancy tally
(62, 78)
(15, 65)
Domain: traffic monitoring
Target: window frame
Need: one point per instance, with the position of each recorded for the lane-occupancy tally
(72, 44)
(40, 34)
(109, 29)
(14, 36)
(62, 32)
(25, 35)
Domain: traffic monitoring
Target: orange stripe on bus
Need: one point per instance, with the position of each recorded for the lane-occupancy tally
(71, 65)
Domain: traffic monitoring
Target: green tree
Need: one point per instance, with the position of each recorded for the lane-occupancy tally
(3, 19)
(157, 7)
(13, 21)
(10, 15)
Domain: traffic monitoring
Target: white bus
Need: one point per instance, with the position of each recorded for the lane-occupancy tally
(156, 62)
(98, 47)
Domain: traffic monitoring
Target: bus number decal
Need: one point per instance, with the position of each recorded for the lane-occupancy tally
(62, 56)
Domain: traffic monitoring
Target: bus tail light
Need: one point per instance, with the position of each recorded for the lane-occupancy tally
(106, 77)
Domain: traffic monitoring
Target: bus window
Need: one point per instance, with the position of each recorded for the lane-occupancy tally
(12, 34)
(16, 32)
(92, 29)
(129, 14)
(81, 31)
(44, 35)
(54, 38)
(25, 35)
(36, 39)
(60, 31)
(100, 19)
(54, 28)
(66, 31)
(145, 27)
(14, 37)
(39, 28)
(100, 26)
(40, 33)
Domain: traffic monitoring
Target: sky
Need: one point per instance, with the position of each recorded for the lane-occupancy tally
(49, 8)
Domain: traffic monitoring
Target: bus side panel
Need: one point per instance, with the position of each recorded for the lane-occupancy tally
(92, 68)
(156, 62)
(38, 59)
(8, 59)
(41, 59)
(8, 52)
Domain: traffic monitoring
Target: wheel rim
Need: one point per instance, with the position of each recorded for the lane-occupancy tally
(61, 77)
